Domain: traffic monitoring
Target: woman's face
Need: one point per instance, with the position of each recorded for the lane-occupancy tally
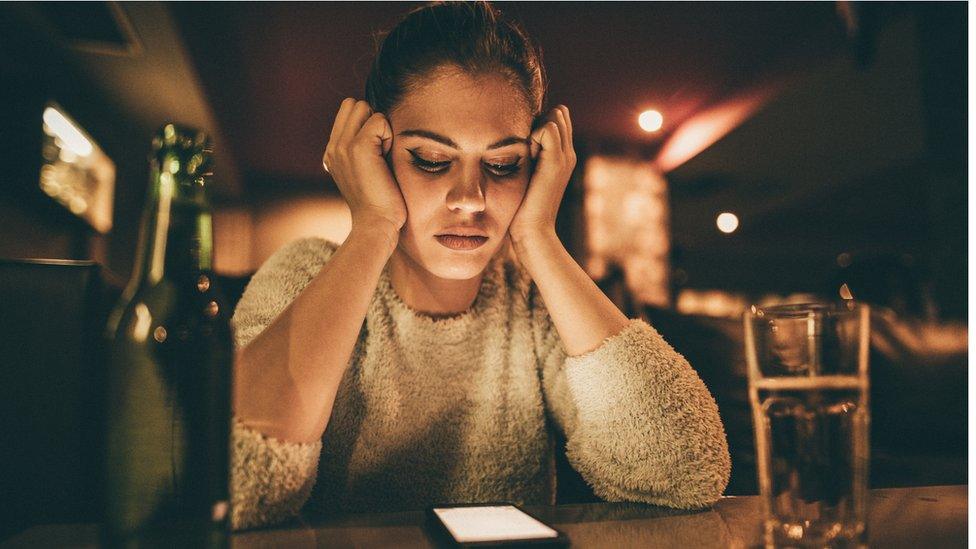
(461, 157)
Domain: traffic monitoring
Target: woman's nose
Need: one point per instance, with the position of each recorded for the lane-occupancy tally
(467, 194)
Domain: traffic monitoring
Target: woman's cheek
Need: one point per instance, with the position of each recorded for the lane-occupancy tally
(511, 199)
(406, 179)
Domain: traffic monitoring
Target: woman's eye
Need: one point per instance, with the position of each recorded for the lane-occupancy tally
(504, 170)
(428, 165)
(434, 166)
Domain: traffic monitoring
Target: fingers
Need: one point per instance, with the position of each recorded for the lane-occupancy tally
(535, 141)
(356, 122)
(566, 129)
(538, 140)
(342, 117)
(560, 115)
(561, 130)
(340, 122)
(376, 133)
(546, 139)
(361, 111)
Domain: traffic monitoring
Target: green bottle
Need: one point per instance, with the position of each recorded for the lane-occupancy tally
(170, 358)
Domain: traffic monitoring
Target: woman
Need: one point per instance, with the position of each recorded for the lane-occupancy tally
(417, 363)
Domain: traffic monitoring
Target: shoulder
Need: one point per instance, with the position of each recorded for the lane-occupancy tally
(279, 280)
(300, 254)
(295, 262)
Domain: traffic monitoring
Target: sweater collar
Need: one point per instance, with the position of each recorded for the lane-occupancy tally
(408, 317)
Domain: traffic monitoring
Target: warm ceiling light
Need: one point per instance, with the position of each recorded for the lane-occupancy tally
(72, 137)
(650, 121)
(727, 222)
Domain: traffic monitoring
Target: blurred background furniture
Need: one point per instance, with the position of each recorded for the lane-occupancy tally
(50, 402)
(52, 406)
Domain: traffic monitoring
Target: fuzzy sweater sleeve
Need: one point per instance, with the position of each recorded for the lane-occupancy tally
(640, 424)
(272, 479)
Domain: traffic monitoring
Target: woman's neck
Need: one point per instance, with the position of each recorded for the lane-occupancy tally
(429, 294)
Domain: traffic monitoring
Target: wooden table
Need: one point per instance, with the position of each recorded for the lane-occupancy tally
(932, 516)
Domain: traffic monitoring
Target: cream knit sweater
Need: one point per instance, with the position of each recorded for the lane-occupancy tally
(456, 410)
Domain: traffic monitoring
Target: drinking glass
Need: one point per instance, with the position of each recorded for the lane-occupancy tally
(808, 385)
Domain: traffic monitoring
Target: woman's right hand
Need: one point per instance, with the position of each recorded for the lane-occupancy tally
(355, 156)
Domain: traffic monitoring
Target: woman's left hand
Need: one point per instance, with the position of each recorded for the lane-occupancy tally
(551, 148)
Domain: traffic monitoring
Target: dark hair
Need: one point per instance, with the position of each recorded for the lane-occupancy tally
(472, 36)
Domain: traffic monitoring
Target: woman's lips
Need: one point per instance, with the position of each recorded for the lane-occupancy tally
(456, 242)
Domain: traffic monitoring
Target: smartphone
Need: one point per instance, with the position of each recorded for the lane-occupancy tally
(491, 524)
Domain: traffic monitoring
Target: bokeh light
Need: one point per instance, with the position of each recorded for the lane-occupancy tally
(650, 121)
(727, 222)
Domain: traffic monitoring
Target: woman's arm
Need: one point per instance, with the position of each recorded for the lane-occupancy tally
(298, 322)
(272, 474)
(287, 376)
(639, 423)
(582, 314)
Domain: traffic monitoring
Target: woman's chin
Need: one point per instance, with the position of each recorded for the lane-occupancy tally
(458, 268)
(459, 265)
(447, 263)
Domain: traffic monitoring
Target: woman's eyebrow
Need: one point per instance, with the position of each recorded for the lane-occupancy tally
(511, 140)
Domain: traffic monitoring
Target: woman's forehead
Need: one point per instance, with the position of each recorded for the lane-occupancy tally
(460, 105)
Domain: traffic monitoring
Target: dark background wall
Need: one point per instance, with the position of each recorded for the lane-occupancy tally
(36, 69)
(120, 87)
(863, 152)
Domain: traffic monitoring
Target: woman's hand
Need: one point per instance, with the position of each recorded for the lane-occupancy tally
(552, 150)
(355, 156)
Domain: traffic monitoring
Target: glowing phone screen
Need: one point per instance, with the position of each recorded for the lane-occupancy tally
(492, 523)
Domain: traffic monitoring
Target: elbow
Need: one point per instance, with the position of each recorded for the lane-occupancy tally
(701, 462)
(684, 468)
(681, 482)
(690, 485)
(270, 479)
(699, 483)
(702, 470)
(257, 509)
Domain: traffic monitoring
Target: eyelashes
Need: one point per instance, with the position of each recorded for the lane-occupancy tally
(432, 167)
(427, 165)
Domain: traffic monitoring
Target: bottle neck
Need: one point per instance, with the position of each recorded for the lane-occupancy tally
(177, 235)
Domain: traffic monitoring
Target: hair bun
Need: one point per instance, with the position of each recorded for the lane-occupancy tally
(473, 36)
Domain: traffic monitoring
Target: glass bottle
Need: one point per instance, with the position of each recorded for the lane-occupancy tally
(170, 357)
